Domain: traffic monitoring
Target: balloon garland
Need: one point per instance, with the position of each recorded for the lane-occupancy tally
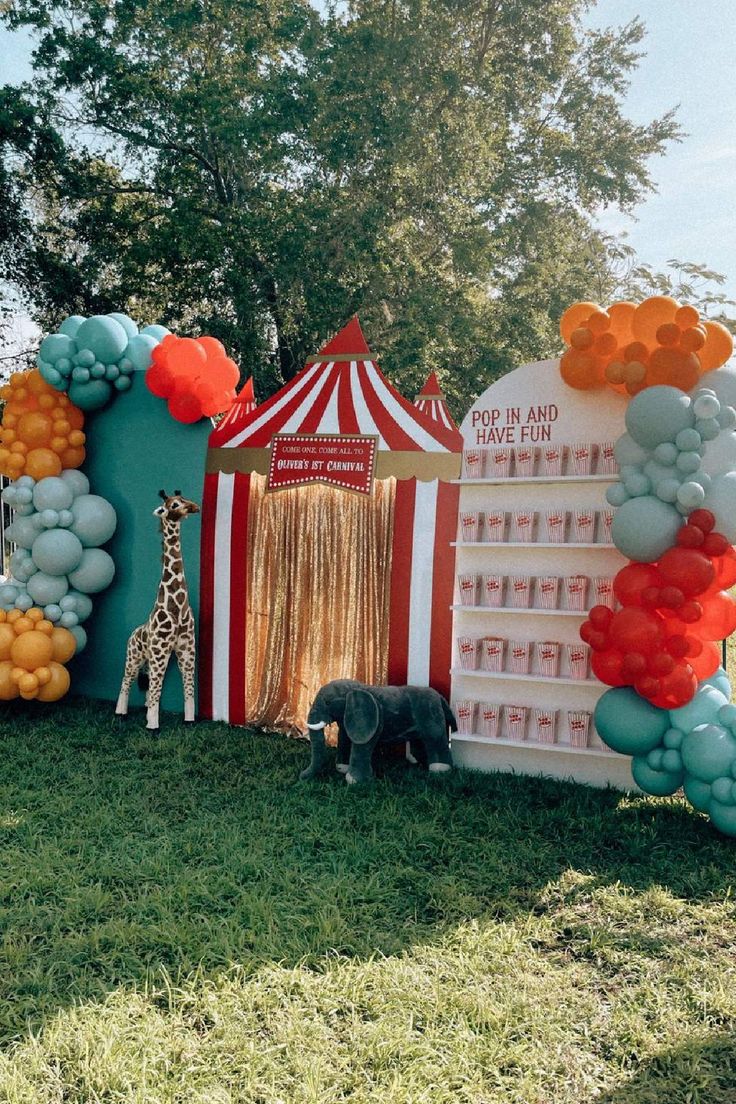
(675, 521)
(196, 377)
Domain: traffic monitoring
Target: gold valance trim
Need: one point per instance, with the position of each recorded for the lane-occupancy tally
(424, 466)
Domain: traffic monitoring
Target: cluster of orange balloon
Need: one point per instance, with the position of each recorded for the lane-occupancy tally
(41, 429)
(196, 377)
(630, 347)
(32, 656)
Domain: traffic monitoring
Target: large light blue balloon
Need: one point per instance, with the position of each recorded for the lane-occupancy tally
(721, 682)
(94, 520)
(628, 723)
(658, 414)
(708, 752)
(701, 709)
(55, 346)
(721, 501)
(140, 349)
(644, 528)
(660, 783)
(697, 793)
(159, 332)
(94, 573)
(71, 324)
(47, 589)
(8, 595)
(130, 327)
(723, 817)
(76, 480)
(92, 395)
(104, 336)
(22, 532)
(627, 451)
(57, 552)
(80, 636)
(52, 493)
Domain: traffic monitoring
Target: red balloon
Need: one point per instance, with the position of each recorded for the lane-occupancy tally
(600, 617)
(660, 663)
(160, 380)
(677, 688)
(676, 645)
(689, 536)
(718, 619)
(671, 597)
(690, 612)
(647, 686)
(687, 569)
(159, 354)
(725, 568)
(634, 665)
(636, 630)
(631, 580)
(185, 408)
(606, 666)
(708, 662)
(187, 357)
(222, 373)
(715, 544)
(212, 347)
(704, 520)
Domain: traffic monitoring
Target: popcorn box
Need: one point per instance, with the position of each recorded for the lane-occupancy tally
(520, 591)
(465, 714)
(548, 657)
(519, 655)
(473, 463)
(495, 524)
(498, 462)
(492, 653)
(577, 660)
(491, 588)
(584, 526)
(468, 652)
(578, 723)
(490, 719)
(524, 458)
(515, 717)
(581, 458)
(545, 725)
(606, 459)
(548, 590)
(552, 459)
(605, 521)
(576, 589)
(555, 522)
(469, 524)
(603, 592)
(522, 525)
(466, 585)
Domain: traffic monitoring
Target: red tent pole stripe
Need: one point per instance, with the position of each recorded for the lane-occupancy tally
(443, 587)
(345, 407)
(314, 417)
(422, 570)
(221, 605)
(238, 598)
(207, 592)
(401, 556)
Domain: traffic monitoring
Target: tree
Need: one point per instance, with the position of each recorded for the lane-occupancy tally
(261, 171)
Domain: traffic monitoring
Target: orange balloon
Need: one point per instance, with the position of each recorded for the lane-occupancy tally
(686, 317)
(605, 345)
(637, 350)
(23, 624)
(63, 645)
(621, 315)
(575, 316)
(669, 334)
(651, 314)
(57, 685)
(581, 338)
(7, 638)
(42, 462)
(662, 363)
(35, 429)
(73, 458)
(599, 322)
(614, 372)
(692, 340)
(580, 370)
(8, 686)
(686, 372)
(31, 650)
(718, 346)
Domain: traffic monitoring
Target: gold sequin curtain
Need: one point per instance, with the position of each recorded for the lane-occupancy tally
(319, 566)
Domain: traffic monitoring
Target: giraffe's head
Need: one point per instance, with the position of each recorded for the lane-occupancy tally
(174, 507)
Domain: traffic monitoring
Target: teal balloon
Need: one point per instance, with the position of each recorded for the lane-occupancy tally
(658, 472)
(668, 489)
(687, 440)
(666, 453)
(723, 817)
(52, 612)
(90, 396)
(71, 325)
(68, 619)
(81, 375)
(64, 365)
(104, 336)
(55, 346)
(23, 601)
(721, 682)
(22, 565)
(94, 573)
(657, 782)
(76, 481)
(691, 494)
(66, 517)
(80, 636)
(52, 493)
(701, 709)
(722, 790)
(706, 406)
(708, 428)
(123, 383)
(628, 723)
(688, 462)
(126, 366)
(51, 375)
(22, 532)
(85, 358)
(617, 494)
(49, 518)
(159, 332)
(130, 327)
(112, 372)
(97, 371)
(139, 351)
(726, 714)
(644, 528)
(720, 499)
(78, 603)
(57, 552)
(697, 793)
(658, 414)
(673, 738)
(94, 520)
(627, 451)
(8, 596)
(637, 484)
(46, 589)
(671, 761)
(708, 751)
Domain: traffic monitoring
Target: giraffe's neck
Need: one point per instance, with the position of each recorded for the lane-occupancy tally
(172, 565)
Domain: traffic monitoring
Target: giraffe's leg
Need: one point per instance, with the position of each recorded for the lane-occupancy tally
(185, 657)
(135, 655)
(157, 665)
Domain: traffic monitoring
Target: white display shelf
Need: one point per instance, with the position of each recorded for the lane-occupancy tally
(580, 614)
(529, 544)
(516, 480)
(511, 676)
(535, 745)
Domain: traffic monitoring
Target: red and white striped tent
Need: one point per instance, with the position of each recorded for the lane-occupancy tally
(432, 402)
(340, 391)
(238, 414)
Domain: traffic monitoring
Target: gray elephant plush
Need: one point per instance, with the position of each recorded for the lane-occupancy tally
(369, 715)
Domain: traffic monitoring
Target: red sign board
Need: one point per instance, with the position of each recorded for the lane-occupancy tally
(340, 460)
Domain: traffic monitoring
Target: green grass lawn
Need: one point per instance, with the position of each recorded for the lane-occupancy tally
(182, 921)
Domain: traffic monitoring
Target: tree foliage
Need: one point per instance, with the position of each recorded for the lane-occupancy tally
(261, 170)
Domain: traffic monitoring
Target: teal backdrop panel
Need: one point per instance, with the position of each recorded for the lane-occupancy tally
(135, 447)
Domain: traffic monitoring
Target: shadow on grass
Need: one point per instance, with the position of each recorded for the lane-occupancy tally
(702, 1071)
(121, 854)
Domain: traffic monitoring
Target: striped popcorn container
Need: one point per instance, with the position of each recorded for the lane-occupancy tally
(492, 653)
(576, 589)
(545, 724)
(522, 525)
(495, 525)
(466, 587)
(605, 521)
(552, 459)
(607, 459)
(489, 719)
(548, 591)
(603, 592)
(465, 714)
(469, 523)
(555, 522)
(520, 591)
(524, 457)
(584, 526)
(581, 458)
(519, 655)
(467, 651)
(578, 723)
(577, 660)
(515, 717)
(498, 462)
(548, 657)
(491, 589)
(473, 463)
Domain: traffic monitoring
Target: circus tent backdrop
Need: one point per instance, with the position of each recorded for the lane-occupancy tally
(340, 395)
(239, 412)
(432, 402)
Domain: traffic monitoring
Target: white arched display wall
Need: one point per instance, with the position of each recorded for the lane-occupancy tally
(531, 406)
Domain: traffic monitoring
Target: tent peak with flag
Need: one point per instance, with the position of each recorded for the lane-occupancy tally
(432, 402)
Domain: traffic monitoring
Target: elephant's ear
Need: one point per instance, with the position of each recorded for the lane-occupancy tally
(362, 716)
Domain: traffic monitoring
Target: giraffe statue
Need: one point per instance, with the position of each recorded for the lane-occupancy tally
(170, 626)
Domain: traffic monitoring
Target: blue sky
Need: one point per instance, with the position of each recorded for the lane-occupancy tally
(690, 49)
